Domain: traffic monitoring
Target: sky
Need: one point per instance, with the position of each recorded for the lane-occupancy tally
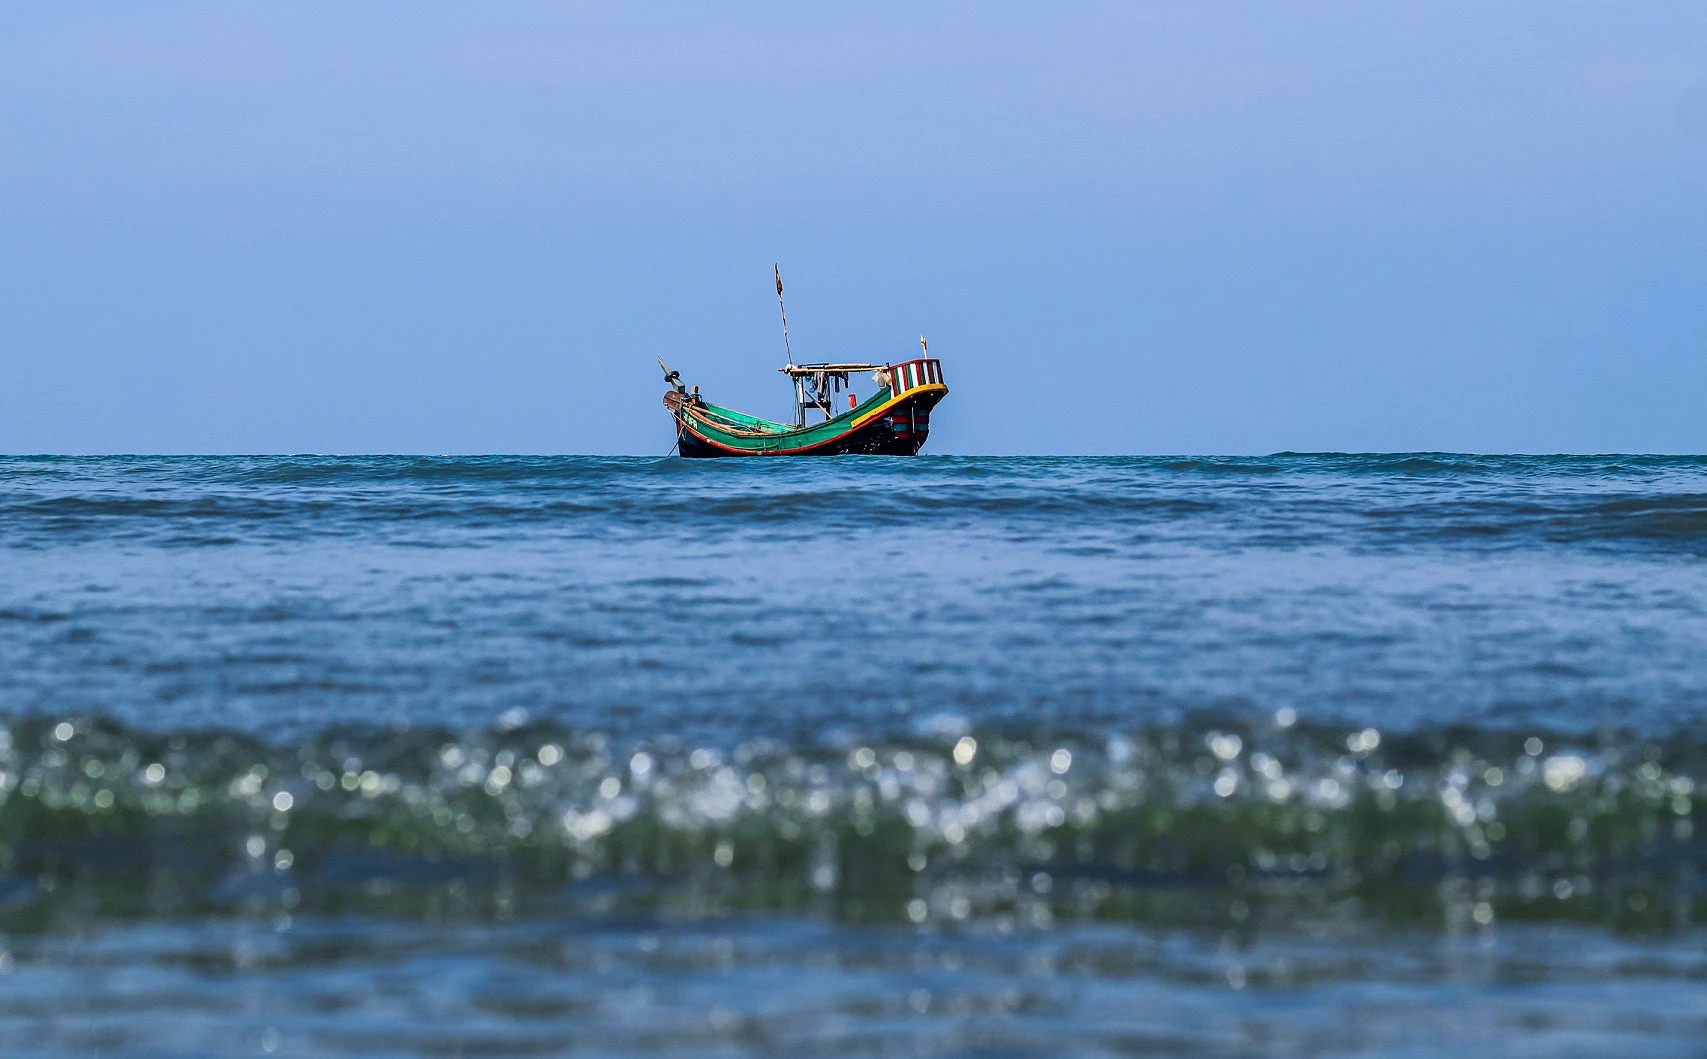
(1197, 226)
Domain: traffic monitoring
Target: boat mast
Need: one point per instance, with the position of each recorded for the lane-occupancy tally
(784, 310)
(799, 383)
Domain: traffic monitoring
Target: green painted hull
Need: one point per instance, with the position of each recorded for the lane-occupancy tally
(884, 424)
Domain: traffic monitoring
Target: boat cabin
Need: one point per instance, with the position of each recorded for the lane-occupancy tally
(815, 384)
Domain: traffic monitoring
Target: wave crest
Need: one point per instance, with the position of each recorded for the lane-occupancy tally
(1193, 821)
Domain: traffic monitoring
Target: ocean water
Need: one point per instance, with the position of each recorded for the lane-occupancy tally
(1300, 754)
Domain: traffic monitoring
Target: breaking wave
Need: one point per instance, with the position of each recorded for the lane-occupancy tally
(1206, 823)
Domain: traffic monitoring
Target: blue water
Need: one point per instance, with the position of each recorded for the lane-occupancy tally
(423, 756)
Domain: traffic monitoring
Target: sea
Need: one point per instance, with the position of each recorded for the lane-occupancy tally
(1301, 754)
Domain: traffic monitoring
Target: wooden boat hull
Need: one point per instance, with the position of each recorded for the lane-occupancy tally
(899, 429)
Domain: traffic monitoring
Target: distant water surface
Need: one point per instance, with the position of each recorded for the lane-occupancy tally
(426, 756)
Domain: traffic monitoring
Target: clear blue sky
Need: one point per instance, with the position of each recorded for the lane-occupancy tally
(1191, 226)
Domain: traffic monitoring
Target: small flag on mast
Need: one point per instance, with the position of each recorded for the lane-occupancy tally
(778, 280)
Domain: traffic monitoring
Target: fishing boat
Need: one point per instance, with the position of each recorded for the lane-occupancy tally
(893, 421)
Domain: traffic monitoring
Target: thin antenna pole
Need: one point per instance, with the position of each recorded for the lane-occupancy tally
(784, 310)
